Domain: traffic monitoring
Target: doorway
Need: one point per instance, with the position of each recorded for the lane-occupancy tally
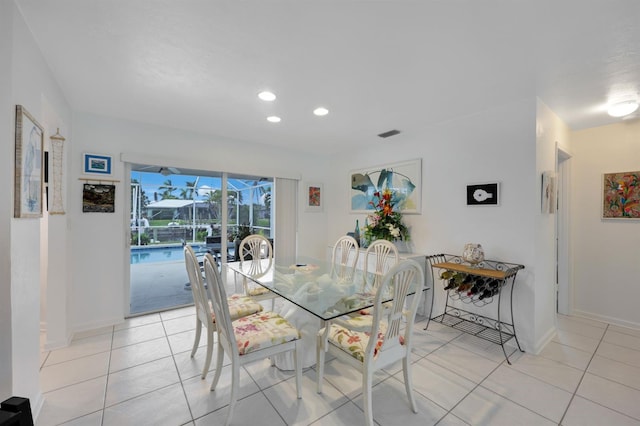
(564, 303)
(171, 207)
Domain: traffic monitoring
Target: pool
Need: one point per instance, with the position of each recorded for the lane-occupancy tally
(148, 254)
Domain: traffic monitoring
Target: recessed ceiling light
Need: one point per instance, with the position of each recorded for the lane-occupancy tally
(621, 109)
(321, 111)
(267, 96)
(273, 119)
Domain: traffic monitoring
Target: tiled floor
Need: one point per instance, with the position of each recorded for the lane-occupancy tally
(140, 373)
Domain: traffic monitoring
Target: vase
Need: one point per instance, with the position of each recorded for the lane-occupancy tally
(473, 254)
(402, 246)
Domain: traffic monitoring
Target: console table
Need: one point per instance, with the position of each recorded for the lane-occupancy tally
(478, 285)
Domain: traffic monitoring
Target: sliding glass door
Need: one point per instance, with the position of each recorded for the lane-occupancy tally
(170, 208)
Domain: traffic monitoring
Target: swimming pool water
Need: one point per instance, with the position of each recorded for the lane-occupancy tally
(159, 254)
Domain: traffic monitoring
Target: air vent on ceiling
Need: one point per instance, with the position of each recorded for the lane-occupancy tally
(389, 133)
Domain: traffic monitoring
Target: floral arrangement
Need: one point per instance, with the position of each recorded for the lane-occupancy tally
(385, 223)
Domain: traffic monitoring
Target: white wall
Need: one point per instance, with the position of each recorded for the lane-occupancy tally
(550, 130)
(32, 86)
(606, 254)
(6, 193)
(493, 145)
(99, 240)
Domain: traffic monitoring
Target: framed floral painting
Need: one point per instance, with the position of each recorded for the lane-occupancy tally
(314, 197)
(621, 195)
(404, 180)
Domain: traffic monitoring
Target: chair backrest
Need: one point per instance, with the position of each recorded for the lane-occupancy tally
(403, 278)
(220, 305)
(256, 247)
(200, 299)
(386, 256)
(344, 258)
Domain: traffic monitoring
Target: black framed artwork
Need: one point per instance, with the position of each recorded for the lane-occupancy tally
(483, 194)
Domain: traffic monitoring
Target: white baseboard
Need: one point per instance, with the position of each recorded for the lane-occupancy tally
(88, 326)
(544, 340)
(57, 344)
(607, 319)
(36, 406)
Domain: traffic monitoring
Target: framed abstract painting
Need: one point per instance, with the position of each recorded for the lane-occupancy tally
(313, 197)
(621, 195)
(404, 180)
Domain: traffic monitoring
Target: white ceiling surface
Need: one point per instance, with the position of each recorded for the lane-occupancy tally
(376, 65)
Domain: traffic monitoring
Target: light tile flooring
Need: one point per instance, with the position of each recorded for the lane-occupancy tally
(140, 373)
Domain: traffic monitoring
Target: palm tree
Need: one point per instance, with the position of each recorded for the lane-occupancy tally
(214, 199)
(267, 198)
(187, 192)
(167, 189)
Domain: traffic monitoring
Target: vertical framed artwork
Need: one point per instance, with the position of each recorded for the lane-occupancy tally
(621, 195)
(98, 198)
(403, 179)
(28, 180)
(97, 164)
(483, 194)
(548, 192)
(314, 197)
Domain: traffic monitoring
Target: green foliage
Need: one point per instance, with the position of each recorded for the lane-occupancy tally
(144, 239)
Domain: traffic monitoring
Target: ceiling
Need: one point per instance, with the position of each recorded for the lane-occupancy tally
(376, 65)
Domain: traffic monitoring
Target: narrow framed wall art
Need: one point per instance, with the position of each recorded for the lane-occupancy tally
(28, 176)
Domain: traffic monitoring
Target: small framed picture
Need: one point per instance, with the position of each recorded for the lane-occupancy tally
(97, 164)
(483, 194)
(548, 192)
(313, 197)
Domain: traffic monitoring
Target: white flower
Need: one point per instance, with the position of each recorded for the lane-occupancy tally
(395, 232)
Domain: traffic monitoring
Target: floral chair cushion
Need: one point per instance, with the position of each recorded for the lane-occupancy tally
(262, 330)
(355, 342)
(257, 291)
(369, 311)
(240, 306)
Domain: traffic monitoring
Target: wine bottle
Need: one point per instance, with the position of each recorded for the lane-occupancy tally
(485, 294)
(356, 234)
(451, 284)
(477, 287)
(445, 275)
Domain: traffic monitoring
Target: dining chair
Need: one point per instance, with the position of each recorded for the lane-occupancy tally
(344, 258)
(250, 338)
(239, 306)
(382, 342)
(383, 254)
(256, 250)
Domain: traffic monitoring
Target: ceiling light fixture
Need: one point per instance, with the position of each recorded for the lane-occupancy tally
(621, 109)
(273, 119)
(321, 111)
(267, 96)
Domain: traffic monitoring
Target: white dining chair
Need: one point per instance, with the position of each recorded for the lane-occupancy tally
(381, 342)
(256, 250)
(344, 258)
(250, 338)
(384, 255)
(239, 306)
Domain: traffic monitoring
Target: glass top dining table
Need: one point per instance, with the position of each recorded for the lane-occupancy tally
(307, 283)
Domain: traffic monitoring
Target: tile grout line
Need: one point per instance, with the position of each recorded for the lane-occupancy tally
(584, 373)
(106, 384)
(175, 364)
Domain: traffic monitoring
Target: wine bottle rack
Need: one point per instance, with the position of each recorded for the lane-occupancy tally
(491, 279)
